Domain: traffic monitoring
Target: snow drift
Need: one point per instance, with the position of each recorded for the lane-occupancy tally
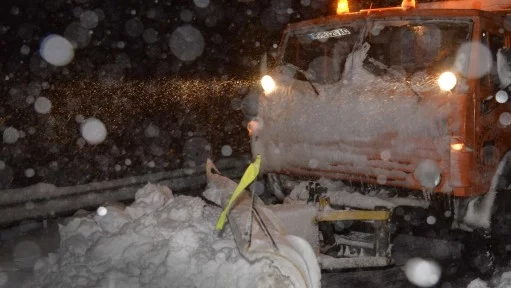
(158, 241)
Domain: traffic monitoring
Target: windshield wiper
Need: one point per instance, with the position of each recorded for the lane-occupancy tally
(305, 74)
(395, 73)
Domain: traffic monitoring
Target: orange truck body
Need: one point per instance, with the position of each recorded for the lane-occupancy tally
(288, 137)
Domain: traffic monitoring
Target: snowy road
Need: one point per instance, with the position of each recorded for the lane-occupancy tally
(48, 240)
(22, 246)
(390, 277)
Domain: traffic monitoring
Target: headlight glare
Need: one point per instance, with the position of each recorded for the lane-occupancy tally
(268, 84)
(447, 81)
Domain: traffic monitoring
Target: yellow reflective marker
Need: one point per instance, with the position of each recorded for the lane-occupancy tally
(249, 176)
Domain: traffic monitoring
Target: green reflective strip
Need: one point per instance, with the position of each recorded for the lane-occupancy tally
(249, 176)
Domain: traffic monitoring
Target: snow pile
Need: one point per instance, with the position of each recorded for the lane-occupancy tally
(504, 282)
(477, 283)
(158, 241)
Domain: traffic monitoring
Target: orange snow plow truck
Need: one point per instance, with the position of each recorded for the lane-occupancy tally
(372, 114)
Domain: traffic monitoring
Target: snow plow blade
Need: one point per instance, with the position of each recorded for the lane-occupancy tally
(289, 233)
(268, 239)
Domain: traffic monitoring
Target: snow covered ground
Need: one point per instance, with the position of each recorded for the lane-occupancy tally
(158, 241)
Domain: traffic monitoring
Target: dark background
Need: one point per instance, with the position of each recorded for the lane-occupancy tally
(130, 83)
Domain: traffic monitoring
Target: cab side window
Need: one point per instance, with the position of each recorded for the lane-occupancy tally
(493, 41)
(491, 82)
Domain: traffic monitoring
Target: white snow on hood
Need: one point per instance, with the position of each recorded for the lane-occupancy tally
(158, 241)
(349, 121)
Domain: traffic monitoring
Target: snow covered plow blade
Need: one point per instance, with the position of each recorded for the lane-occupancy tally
(289, 233)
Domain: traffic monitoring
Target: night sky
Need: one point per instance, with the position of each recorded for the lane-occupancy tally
(180, 68)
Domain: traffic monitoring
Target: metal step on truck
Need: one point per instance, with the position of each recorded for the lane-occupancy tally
(392, 120)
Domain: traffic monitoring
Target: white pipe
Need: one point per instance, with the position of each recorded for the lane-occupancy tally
(42, 191)
(69, 199)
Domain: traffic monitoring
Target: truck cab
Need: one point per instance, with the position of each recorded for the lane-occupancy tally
(414, 98)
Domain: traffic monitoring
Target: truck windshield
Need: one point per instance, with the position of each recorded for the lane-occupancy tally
(402, 47)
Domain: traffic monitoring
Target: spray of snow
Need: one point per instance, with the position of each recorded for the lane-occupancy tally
(305, 3)
(29, 173)
(57, 50)
(134, 27)
(505, 118)
(201, 3)
(186, 43)
(89, 19)
(152, 131)
(24, 49)
(428, 173)
(79, 118)
(150, 35)
(159, 239)
(226, 150)
(501, 96)
(78, 35)
(484, 56)
(11, 135)
(186, 15)
(423, 273)
(504, 68)
(93, 131)
(431, 220)
(480, 208)
(42, 105)
(30, 99)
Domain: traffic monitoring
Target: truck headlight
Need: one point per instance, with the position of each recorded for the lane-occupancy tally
(268, 84)
(447, 81)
